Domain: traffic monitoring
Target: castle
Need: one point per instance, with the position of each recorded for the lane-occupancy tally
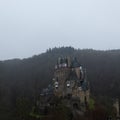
(70, 80)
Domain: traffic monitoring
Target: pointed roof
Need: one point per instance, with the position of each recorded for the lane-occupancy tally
(75, 63)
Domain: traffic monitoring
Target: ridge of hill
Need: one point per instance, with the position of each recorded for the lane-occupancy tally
(27, 77)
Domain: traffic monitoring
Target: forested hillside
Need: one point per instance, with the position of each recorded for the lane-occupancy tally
(25, 78)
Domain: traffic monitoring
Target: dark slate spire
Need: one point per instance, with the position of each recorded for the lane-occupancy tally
(75, 63)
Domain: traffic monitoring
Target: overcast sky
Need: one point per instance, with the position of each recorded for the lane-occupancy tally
(29, 27)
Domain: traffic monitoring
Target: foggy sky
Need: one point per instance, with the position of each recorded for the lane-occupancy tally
(29, 27)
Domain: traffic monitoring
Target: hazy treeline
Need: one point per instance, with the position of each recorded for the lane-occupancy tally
(25, 78)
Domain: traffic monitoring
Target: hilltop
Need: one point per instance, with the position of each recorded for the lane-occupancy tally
(27, 77)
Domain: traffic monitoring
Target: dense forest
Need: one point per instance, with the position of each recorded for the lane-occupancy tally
(25, 78)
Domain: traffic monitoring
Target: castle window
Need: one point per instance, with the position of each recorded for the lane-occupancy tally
(68, 83)
(56, 85)
(80, 88)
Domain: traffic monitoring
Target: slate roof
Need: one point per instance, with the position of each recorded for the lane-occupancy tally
(75, 63)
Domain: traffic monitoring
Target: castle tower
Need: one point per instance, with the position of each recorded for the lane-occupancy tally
(70, 80)
(61, 73)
